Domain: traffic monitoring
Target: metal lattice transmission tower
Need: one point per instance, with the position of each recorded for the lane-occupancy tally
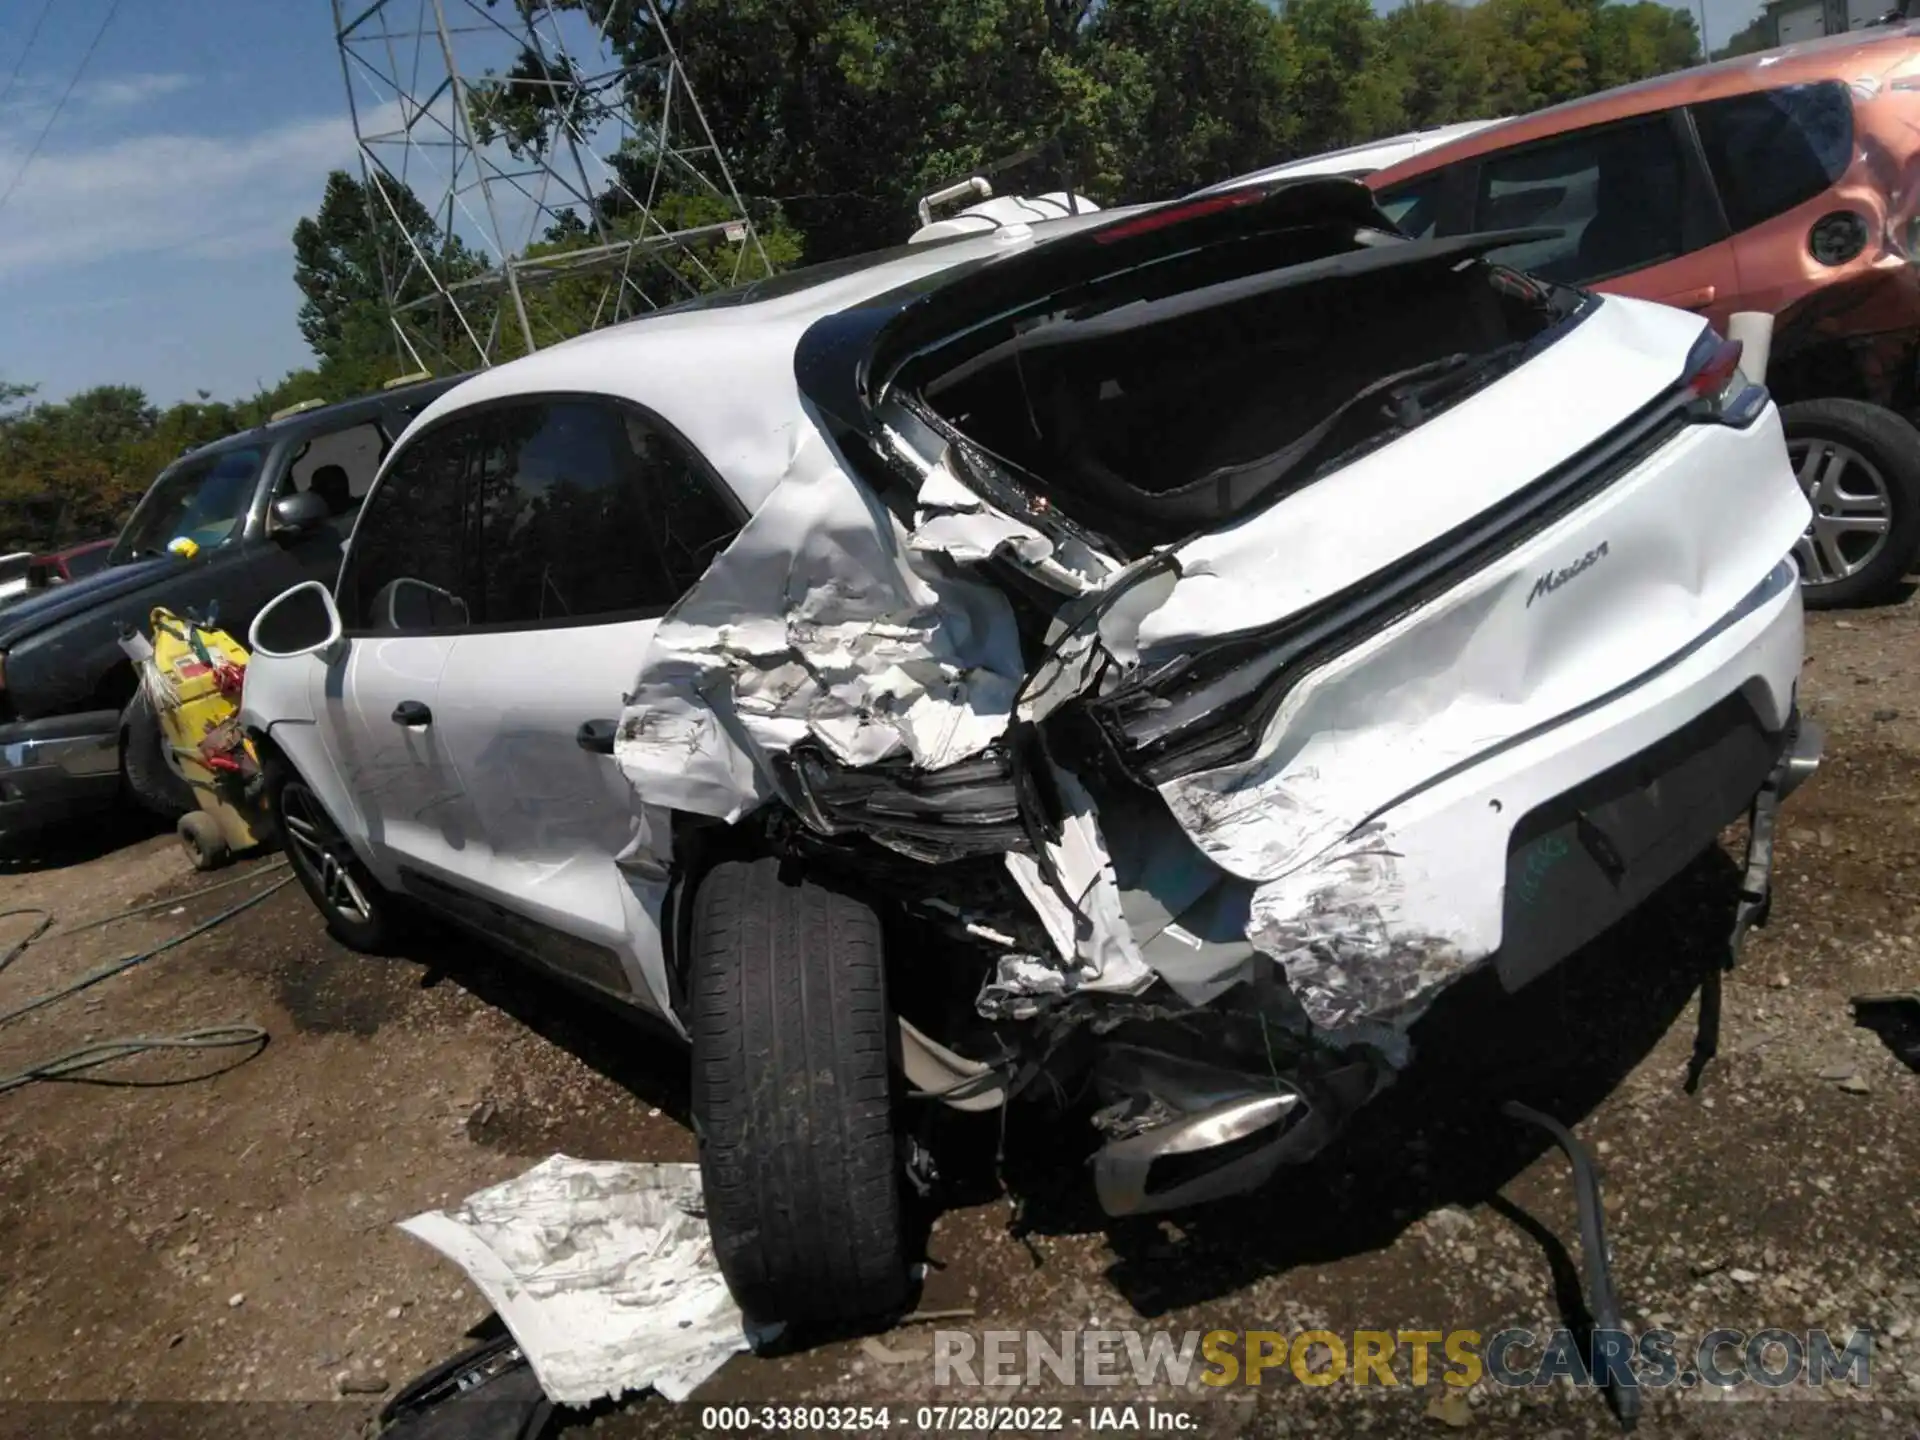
(568, 185)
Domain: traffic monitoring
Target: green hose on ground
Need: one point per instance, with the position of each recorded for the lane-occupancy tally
(101, 1052)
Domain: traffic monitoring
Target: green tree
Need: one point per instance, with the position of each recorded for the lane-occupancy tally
(1192, 93)
(1631, 42)
(1537, 52)
(345, 256)
(1348, 85)
(1443, 57)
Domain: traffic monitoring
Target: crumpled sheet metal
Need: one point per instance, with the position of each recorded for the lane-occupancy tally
(953, 519)
(1090, 935)
(603, 1271)
(818, 620)
(828, 619)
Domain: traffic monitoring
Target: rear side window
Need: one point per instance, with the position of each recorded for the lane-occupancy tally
(338, 466)
(688, 523)
(587, 511)
(408, 569)
(1780, 148)
(1613, 193)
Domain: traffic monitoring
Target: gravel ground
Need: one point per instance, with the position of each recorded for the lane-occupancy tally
(219, 1226)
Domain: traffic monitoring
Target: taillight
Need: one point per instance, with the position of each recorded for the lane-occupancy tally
(1721, 391)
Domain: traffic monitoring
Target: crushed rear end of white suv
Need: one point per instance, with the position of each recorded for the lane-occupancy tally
(1163, 651)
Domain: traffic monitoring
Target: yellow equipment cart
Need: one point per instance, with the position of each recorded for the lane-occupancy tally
(193, 674)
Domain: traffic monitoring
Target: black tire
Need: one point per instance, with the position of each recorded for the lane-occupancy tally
(792, 1097)
(150, 776)
(201, 837)
(359, 914)
(1889, 448)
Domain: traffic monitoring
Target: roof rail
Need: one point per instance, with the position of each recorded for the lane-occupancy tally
(300, 409)
(414, 379)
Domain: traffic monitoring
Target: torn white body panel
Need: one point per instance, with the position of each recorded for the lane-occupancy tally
(1385, 505)
(1499, 657)
(819, 621)
(1373, 927)
(603, 1271)
(952, 519)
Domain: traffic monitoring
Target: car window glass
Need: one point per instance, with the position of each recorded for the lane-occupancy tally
(338, 466)
(1414, 206)
(408, 568)
(196, 506)
(1780, 148)
(586, 513)
(558, 518)
(1613, 193)
(687, 521)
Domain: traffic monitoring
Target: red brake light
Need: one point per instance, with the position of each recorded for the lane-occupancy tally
(1716, 369)
(1178, 214)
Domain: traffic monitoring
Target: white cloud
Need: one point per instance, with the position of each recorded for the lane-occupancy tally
(202, 194)
(119, 91)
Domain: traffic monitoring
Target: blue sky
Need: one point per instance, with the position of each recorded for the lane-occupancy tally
(149, 244)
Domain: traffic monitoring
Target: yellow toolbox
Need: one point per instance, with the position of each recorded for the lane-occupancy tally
(193, 674)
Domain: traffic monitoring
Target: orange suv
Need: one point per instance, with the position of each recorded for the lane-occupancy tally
(1786, 183)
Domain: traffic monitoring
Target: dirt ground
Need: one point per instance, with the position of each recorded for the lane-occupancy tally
(219, 1226)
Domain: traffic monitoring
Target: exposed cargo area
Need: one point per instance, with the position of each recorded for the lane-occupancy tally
(1180, 395)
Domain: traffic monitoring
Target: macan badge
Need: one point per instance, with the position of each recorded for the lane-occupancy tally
(1554, 579)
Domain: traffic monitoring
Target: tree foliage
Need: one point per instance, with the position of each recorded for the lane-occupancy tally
(835, 117)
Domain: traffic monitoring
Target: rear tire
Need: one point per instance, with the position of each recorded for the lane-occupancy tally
(792, 1097)
(1856, 457)
(358, 912)
(203, 840)
(151, 778)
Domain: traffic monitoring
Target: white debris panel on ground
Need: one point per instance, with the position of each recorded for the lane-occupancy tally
(603, 1271)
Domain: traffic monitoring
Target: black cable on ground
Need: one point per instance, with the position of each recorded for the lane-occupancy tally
(14, 950)
(103, 1051)
(171, 900)
(216, 1037)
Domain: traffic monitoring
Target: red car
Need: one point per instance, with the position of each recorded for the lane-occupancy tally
(1782, 183)
(76, 562)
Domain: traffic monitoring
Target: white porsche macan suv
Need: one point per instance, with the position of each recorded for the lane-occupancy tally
(1155, 652)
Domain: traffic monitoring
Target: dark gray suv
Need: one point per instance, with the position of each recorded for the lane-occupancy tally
(223, 530)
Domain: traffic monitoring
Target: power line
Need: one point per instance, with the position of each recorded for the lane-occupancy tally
(32, 35)
(65, 95)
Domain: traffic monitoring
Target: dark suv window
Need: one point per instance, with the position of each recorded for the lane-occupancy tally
(408, 569)
(1613, 192)
(589, 511)
(1772, 151)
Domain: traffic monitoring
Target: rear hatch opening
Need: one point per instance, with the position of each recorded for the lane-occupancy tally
(1175, 396)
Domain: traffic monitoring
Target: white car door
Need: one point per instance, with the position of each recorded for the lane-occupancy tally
(592, 519)
(405, 597)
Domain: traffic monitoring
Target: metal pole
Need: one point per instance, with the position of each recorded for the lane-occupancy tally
(388, 292)
(486, 191)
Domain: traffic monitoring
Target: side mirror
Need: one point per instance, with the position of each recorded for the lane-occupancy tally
(300, 621)
(292, 514)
